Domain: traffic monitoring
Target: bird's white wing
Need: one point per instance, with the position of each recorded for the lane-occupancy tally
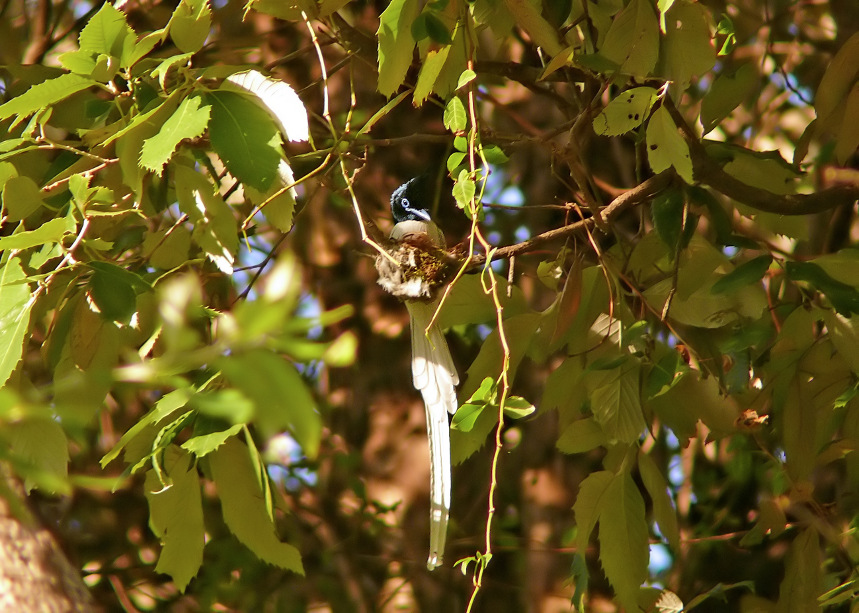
(434, 375)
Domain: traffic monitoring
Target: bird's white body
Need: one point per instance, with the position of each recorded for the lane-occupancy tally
(434, 375)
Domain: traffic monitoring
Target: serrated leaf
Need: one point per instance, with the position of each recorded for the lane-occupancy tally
(215, 226)
(590, 503)
(166, 406)
(280, 396)
(188, 121)
(278, 99)
(245, 137)
(396, 43)
(663, 507)
(726, 93)
(626, 112)
(190, 24)
(581, 436)
(745, 274)
(44, 95)
(455, 117)
(244, 509)
(632, 42)
(107, 32)
(624, 549)
(176, 517)
(51, 231)
(204, 444)
(431, 71)
(665, 146)
(616, 404)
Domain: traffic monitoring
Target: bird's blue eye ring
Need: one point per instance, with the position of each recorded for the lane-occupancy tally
(405, 203)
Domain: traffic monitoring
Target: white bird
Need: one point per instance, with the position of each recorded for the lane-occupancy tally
(433, 372)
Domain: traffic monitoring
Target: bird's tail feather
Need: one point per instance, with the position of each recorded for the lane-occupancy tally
(434, 375)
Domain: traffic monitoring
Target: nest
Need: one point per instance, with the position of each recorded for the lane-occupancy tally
(414, 272)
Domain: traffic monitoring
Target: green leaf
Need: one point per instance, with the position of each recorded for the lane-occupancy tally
(21, 198)
(215, 226)
(844, 297)
(44, 95)
(454, 161)
(616, 404)
(624, 549)
(436, 29)
(188, 121)
(455, 117)
(203, 444)
(164, 408)
(590, 503)
(108, 33)
(466, 416)
(51, 231)
(726, 93)
(839, 78)
(430, 75)
(396, 43)
(244, 509)
(516, 407)
(279, 209)
(667, 212)
(528, 17)
(626, 112)
(176, 517)
(281, 398)
(663, 507)
(190, 24)
(581, 436)
(802, 579)
(40, 453)
(464, 190)
(245, 137)
(686, 50)
(632, 42)
(665, 146)
(745, 274)
(278, 99)
(495, 155)
(113, 293)
(465, 78)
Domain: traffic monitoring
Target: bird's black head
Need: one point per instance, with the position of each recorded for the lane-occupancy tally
(409, 202)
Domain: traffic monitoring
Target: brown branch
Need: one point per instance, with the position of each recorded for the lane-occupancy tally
(637, 195)
(706, 170)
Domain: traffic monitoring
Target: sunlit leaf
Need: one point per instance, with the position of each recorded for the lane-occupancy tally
(243, 507)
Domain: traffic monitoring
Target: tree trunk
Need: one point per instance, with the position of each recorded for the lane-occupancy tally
(35, 575)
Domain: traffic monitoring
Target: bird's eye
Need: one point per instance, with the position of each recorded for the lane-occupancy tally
(405, 203)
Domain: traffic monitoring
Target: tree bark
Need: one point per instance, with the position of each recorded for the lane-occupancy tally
(35, 575)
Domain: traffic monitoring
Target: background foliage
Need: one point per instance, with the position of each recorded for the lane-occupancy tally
(209, 398)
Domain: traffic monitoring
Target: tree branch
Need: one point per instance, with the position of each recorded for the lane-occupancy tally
(709, 172)
(630, 198)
